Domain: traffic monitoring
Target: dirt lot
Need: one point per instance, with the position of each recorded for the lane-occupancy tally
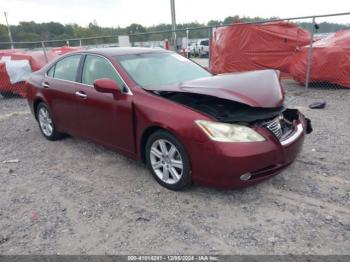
(73, 197)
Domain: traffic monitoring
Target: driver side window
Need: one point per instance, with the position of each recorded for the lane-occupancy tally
(96, 67)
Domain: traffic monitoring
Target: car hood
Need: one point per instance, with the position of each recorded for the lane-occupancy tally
(255, 88)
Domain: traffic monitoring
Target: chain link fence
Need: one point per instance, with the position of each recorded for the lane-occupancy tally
(323, 61)
(327, 57)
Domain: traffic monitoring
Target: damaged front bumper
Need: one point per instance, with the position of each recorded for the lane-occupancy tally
(235, 165)
(288, 126)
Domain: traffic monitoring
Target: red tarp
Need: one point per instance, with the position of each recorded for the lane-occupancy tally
(36, 61)
(36, 58)
(9, 51)
(5, 83)
(245, 47)
(330, 60)
(65, 49)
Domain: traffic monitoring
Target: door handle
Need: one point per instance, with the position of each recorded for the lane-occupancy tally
(45, 84)
(81, 94)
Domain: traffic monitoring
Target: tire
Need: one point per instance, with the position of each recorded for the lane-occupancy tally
(46, 124)
(170, 166)
(7, 94)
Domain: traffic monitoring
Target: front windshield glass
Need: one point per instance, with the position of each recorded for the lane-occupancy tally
(158, 69)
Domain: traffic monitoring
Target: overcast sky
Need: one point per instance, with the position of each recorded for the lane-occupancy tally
(149, 12)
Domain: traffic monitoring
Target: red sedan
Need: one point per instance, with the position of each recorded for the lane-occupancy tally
(185, 124)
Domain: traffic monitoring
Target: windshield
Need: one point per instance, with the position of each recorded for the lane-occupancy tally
(158, 69)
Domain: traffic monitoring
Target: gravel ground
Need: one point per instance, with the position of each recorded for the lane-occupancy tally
(74, 197)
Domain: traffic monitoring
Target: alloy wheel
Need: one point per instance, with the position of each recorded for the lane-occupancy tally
(45, 121)
(166, 161)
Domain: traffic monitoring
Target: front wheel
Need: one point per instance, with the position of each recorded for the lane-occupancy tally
(168, 161)
(46, 124)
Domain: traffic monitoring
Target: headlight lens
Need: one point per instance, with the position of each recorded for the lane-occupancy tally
(229, 132)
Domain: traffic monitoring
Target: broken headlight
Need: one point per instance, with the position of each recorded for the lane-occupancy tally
(229, 132)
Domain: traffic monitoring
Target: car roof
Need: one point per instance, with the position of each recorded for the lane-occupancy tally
(115, 51)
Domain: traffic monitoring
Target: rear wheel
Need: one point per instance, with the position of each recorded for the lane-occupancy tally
(46, 124)
(168, 161)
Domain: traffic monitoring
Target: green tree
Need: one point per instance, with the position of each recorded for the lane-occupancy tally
(32, 31)
(231, 19)
(4, 37)
(27, 36)
(214, 23)
(137, 28)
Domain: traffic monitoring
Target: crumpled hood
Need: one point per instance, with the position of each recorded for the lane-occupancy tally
(256, 88)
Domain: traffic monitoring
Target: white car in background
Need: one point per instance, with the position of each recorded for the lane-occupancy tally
(192, 49)
(202, 47)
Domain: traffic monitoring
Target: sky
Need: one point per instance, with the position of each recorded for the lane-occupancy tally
(114, 13)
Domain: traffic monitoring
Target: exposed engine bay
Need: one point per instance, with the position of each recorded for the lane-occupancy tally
(278, 120)
(226, 111)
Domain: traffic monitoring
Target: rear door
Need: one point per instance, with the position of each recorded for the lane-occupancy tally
(103, 118)
(59, 88)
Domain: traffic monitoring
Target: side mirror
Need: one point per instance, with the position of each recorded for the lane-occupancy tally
(106, 85)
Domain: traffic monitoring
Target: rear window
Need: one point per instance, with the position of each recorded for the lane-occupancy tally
(66, 69)
(205, 42)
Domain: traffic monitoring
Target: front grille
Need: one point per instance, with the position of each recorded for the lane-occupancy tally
(282, 126)
(275, 127)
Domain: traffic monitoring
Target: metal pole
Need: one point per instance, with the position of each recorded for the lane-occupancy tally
(9, 30)
(131, 39)
(80, 42)
(309, 58)
(187, 44)
(44, 49)
(210, 38)
(173, 21)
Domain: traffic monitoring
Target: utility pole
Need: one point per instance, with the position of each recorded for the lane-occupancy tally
(9, 30)
(173, 20)
(309, 56)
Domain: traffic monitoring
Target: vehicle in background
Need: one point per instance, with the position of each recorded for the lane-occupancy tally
(16, 66)
(330, 61)
(248, 47)
(161, 108)
(192, 49)
(202, 47)
(66, 49)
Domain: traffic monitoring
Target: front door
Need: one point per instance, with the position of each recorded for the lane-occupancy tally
(103, 118)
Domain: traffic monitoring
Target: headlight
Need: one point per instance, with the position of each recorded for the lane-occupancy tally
(229, 132)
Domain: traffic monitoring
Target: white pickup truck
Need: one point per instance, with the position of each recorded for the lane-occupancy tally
(202, 47)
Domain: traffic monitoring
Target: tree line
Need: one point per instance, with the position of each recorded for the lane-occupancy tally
(31, 31)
